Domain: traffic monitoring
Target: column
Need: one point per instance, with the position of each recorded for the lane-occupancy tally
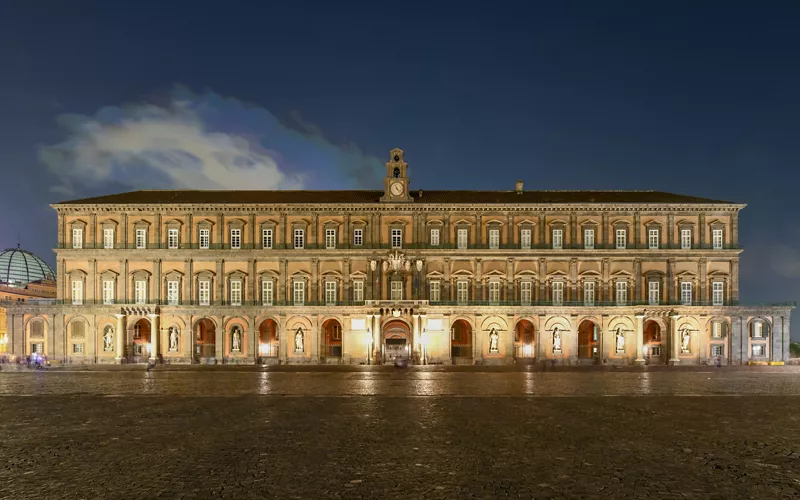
(542, 280)
(479, 280)
(735, 229)
(157, 285)
(62, 238)
(314, 297)
(510, 295)
(637, 230)
(121, 334)
(91, 286)
(735, 347)
(670, 231)
(415, 333)
(154, 337)
(573, 231)
(702, 269)
(478, 230)
(637, 276)
(252, 231)
(639, 339)
(701, 228)
(735, 282)
(604, 231)
(573, 278)
(671, 295)
(219, 283)
(675, 340)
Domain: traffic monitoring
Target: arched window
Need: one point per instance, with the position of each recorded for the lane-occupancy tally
(396, 172)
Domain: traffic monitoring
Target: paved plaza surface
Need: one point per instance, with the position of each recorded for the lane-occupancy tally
(415, 433)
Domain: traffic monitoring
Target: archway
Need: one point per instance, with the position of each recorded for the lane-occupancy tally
(588, 339)
(140, 341)
(461, 342)
(524, 339)
(653, 347)
(205, 334)
(396, 337)
(268, 339)
(331, 341)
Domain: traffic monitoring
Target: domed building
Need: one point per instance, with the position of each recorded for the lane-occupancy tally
(23, 276)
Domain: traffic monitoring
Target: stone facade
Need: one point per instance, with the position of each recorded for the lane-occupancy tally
(365, 276)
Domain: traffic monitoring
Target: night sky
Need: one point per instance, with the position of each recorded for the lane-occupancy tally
(697, 100)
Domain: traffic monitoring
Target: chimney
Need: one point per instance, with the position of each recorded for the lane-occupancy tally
(519, 187)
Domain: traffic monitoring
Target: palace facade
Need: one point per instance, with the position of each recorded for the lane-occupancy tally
(354, 277)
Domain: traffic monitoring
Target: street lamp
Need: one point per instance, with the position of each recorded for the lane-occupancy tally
(369, 347)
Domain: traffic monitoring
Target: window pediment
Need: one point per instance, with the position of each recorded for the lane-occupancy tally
(236, 223)
(332, 274)
(686, 275)
(236, 275)
(654, 274)
(557, 274)
(268, 224)
(173, 275)
(435, 222)
(652, 223)
(141, 274)
(494, 272)
(622, 274)
(76, 273)
(398, 222)
(77, 223)
(301, 274)
(331, 223)
(300, 223)
(717, 223)
(462, 222)
(268, 274)
(526, 222)
(205, 274)
(174, 222)
(526, 274)
(494, 222)
(589, 273)
(718, 275)
(109, 223)
(205, 223)
(358, 222)
(462, 273)
(108, 274)
(686, 222)
(141, 223)
(359, 275)
(589, 222)
(621, 222)
(557, 222)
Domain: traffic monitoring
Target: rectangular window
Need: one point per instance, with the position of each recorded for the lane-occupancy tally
(330, 239)
(397, 238)
(716, 239)
(588, 293)
(462, 291)
(204, 292)
(558, 293)
(558, 239)
(299, 292)
(108, 292)
(717, 293)
(299, 239)
(358, 237)
(494, 292)
(622, 292)
(758, 330)
(77, 348)
(525, 239)
(266, 293)
(236, 293)
(77, 238)
(717, 350)
(435, 293)
(266, 239)
(172, 293)
(686, 239)
(108, 238)
(358, 291)
(652, 239)
(77, 292)
(330, 293)
(758, 350)
(462, 239)
(686, 293)
(397, 290)
(588, 239)
(434, 237)
(172, 239)
(140, 292)
(526, 292)
(236, 239)
(141, 238)
(205, 238)
(716, 329)
(653, 289)
(621, 240)
(494, 239)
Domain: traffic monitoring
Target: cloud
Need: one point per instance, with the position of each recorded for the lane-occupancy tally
(200, 141)
(785, 261)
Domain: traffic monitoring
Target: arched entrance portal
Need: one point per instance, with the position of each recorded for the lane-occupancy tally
(653, 348)
(205, 335)
(396, 338)
(461, 342)
(140, 342)
(588, 340)
(268, 339)
(331, 341)
(523, 340)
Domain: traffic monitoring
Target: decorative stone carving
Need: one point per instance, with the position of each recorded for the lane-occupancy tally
(385, 266)
(493, 341)
(419, 265)
(173, 339)
(685, 337)
(397, 260)
(373, 264)
(236, 342)
(108, 340)
(620, 340)
(299, 345)
(556, 340)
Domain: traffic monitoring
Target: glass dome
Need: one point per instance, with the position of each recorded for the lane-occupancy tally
(19, 267)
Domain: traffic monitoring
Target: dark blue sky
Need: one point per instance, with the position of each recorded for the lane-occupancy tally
(697, 100)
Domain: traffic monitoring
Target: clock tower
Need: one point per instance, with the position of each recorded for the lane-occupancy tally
(395, 185)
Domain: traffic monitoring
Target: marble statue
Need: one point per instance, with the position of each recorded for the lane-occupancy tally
(685, 340)
(620, 340)
(373, 264)
(556, 339)
(493, 338)
(173, 338)
(108, 340)
(236, 345)
(298, 340)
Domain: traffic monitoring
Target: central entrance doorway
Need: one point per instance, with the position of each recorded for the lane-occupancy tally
(396, 341)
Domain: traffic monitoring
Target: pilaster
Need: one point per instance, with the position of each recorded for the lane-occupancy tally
(157, 285)
(637, 230)
(735, 280)
(735, 229)
(155, 348)
(640, 339)
(702, 272)
(314, 280)
(573, 279)
(701, 229)
(671, 295)
(736, 347)
(120, 338)
(675, 341)
(478, 229)
(219, 283)
(479, 279)
(671, 230)
(573, 230)
(542, 279)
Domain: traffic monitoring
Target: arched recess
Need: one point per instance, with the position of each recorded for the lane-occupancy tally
(653, 341)
(588, 337)
(331, 339)
(140, 335)
(36, 336)
(461, 339)
(396, 334)
(524, 339)
(205, 339)
(268, 338)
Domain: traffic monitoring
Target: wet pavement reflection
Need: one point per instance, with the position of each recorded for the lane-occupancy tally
(402, 383)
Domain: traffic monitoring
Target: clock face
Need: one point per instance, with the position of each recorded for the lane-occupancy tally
(397, 189)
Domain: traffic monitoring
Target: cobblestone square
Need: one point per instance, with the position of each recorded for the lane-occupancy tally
(86, 441)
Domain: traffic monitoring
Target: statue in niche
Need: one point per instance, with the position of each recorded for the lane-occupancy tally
(299, 346)
(620, 340)
(493, 340)
(108, 340)
(556, 339)
(685, 337)
(236, 343)
(173, 338)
